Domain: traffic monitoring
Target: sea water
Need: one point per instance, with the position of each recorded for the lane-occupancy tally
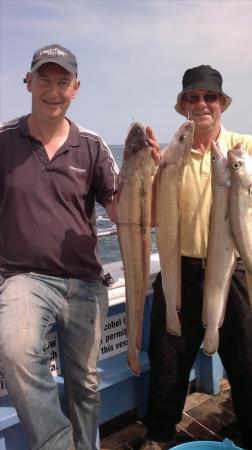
(109, 250)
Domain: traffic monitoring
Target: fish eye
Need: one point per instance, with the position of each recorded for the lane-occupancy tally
(236, 165)
(213, 158)
(182, 138)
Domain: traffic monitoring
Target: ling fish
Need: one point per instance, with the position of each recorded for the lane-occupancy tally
(220, 253)
(134, 226)
(240, 205)
(168, 188)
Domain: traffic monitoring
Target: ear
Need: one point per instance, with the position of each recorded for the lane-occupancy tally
(222, 102)
(76, 88)
(183, 108)
(28, 81)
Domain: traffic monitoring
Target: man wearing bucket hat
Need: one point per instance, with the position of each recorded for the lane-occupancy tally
(202, 100)
(52, 171)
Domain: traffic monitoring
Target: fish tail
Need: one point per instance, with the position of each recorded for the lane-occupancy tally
(173, 324)
(133, 362)
(211, 341)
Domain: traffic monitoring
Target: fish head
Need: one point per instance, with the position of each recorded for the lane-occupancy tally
(183, 138)
(219, 165)
(240, 164)
(136, 139)
(179, 149)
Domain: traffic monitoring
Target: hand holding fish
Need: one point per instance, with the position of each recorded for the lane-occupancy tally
(155, 147)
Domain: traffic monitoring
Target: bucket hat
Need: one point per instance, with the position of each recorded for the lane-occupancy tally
(202, 77)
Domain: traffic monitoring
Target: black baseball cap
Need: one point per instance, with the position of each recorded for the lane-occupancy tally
(57, 54)
(202, 77)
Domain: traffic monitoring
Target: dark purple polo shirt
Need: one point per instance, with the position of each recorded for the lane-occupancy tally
(47, 216)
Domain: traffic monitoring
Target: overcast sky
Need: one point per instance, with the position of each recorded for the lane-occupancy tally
(131, 56)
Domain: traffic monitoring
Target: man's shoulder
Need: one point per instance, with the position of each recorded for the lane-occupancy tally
(94, 139)
(235, 134)
(231, 138)
(85, 131)
(10, 126)
(93, 143)
(90, 135)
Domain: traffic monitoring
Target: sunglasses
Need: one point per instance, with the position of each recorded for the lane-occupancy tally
(209, 97)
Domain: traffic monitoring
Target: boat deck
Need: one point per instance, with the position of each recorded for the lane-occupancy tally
(205, 417)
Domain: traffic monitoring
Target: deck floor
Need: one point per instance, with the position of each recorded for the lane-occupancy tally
(205, 417)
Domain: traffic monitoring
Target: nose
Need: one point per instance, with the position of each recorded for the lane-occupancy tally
(201, 100)
(53, 89)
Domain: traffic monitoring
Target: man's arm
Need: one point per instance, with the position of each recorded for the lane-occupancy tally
(111, 209)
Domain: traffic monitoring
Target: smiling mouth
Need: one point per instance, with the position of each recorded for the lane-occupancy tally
(51, 103)
(202, 114)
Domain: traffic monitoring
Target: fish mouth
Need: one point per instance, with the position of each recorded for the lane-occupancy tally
(137, 128)
(190, 125)
(236, 154)
(137, 138)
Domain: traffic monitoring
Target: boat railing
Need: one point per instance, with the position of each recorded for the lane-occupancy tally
(109, 232)
(112, 231)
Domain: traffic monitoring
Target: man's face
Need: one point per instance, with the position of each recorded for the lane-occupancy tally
(203, 107)
(53, 89)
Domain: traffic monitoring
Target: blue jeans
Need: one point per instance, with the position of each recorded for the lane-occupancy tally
(29, 305)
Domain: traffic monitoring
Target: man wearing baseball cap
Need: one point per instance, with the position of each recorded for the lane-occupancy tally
(202, 100)
(55, 54)
(52, 172)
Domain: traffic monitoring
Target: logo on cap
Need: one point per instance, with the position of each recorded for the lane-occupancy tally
(53, 52)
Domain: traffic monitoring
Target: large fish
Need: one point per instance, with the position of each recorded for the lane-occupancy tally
(168, 182)
(220, 253)
(134, 226)
(240, 164)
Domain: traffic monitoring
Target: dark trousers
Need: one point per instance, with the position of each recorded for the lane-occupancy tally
(171, 357)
